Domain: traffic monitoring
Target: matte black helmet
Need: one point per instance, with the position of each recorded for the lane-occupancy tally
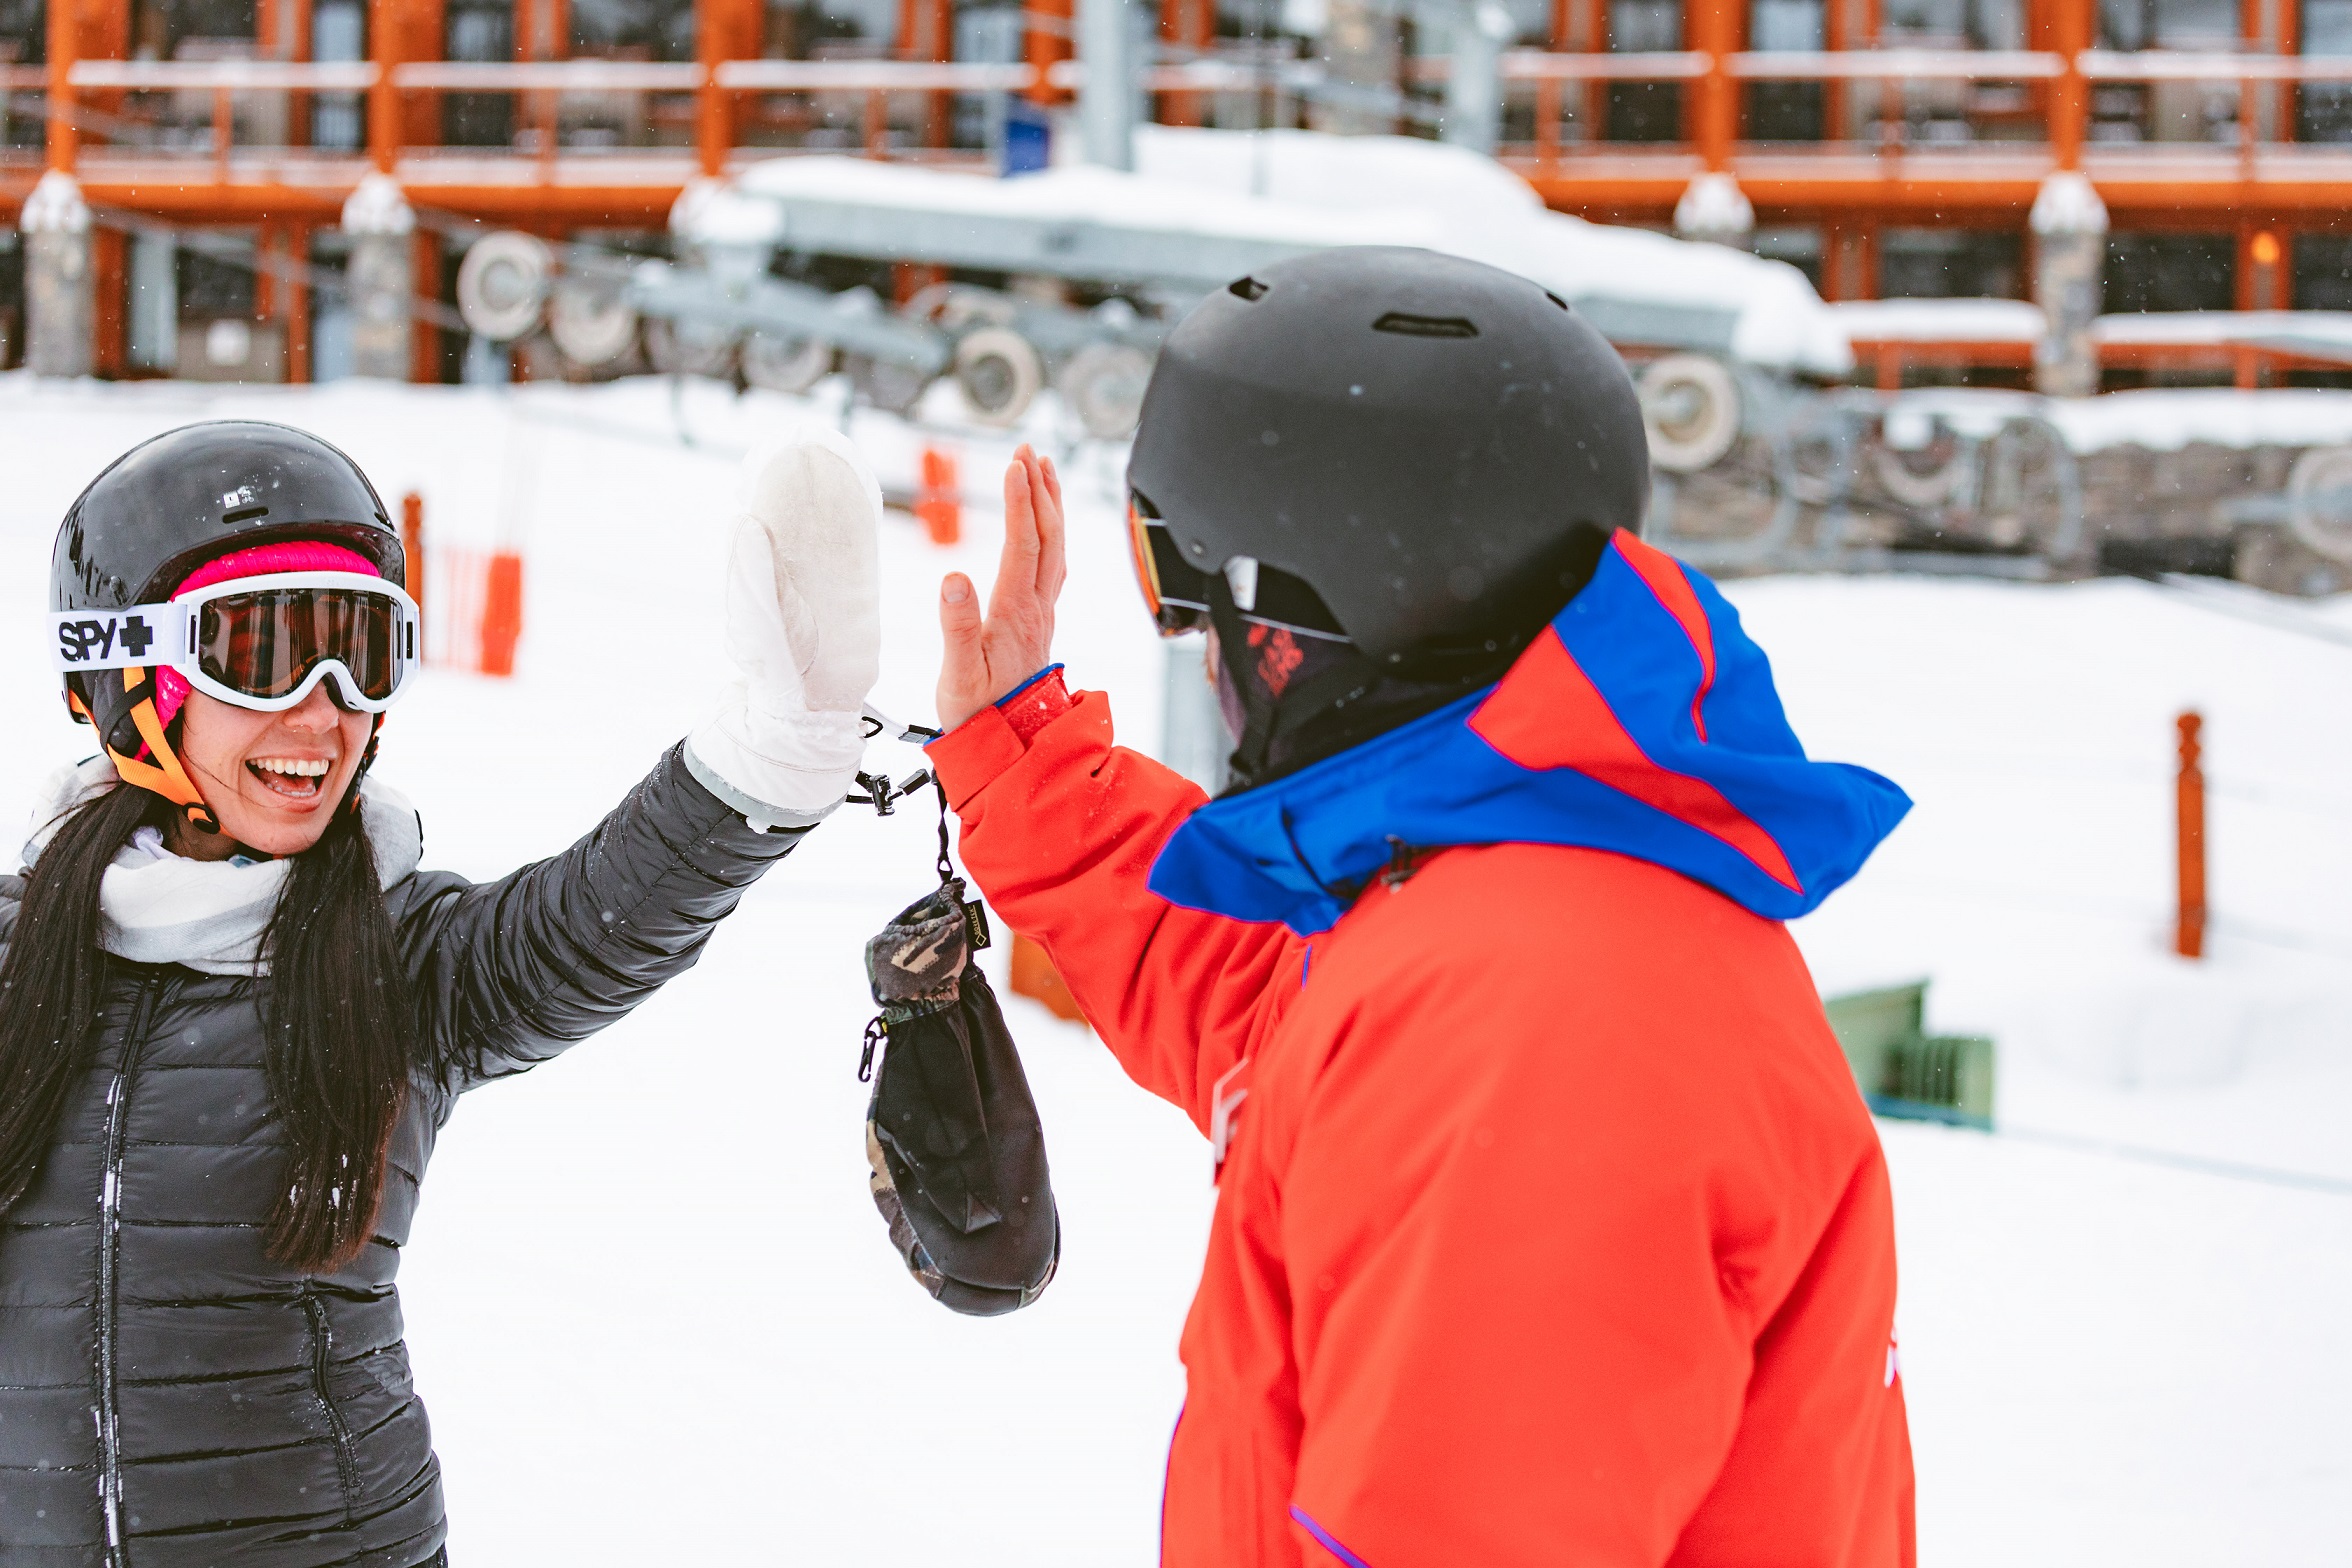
(170, 504)
(1421, 454)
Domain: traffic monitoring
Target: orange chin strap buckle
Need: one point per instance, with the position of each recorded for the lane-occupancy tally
(163, 775)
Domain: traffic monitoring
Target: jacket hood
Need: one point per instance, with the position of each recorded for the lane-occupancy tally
(1641, 721)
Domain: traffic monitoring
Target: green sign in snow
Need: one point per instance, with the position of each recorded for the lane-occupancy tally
(1906, 1072)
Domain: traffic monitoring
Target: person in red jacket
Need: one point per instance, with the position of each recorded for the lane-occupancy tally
(1551, 1225)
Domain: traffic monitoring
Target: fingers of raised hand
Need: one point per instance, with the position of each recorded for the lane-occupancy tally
(1053, 559)
(963, 665)
(1021, 520)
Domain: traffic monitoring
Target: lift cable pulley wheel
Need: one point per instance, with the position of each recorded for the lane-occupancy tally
(1690, 411)
(503, 283)
(1103, 385)
(591, 321)
(1000, 374)
(785, 364)
(2319, 501)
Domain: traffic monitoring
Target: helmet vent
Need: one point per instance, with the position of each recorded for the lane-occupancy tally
(1411, 326)
(1247, 288)
(245, 514)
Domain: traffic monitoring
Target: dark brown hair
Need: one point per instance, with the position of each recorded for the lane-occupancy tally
(334, 1011)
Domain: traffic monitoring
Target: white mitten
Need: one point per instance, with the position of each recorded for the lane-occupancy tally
(804, 626)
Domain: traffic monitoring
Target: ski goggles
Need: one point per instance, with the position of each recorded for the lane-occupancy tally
(1177, 592)
(263, 643)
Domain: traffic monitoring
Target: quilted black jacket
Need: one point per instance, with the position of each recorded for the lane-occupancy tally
(169, 1398)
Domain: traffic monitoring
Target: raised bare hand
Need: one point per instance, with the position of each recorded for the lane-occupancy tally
(986, 657)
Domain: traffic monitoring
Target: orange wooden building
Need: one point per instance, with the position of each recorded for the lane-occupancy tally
(1892, 148)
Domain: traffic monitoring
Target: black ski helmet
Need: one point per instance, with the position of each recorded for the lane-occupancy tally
(1433, 449)
(167, 506)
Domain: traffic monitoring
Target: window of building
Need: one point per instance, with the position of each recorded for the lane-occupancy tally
(210, 285)
(1950, 264)
(1784, 111)
(817, 29)
(2168, 24)
(478, 30)
(633, 29)
(24, 32)
(1954, 24)
(2323, 272)
(23, 41)
(191, 29)
(11, 300)
(1800, 246)
(2167, 111)
(338, 31)
(2323, 110)
(1644, 111)
(1942, 110)
(2171, 272)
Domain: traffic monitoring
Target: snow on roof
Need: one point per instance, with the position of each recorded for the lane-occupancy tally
(1075, 193)
(2226, 326)
(1301, 188)
(1469, 205)
(1337, 173)
(1940, 320)
(2162, 419)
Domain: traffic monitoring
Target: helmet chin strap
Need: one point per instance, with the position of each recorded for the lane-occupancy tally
(160, 772)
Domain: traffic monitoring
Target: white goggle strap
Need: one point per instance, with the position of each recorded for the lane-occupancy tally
(82, 640)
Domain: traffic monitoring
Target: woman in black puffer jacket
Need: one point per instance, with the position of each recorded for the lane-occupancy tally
(234, 1013)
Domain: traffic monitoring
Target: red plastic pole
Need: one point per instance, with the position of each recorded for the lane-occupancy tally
(940, 503)
(412, 548)
(502, 613)
(2189, 939)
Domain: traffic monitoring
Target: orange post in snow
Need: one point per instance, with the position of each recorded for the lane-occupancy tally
(940, 503)
(502, 613)
(2189, 938)
(412, 548)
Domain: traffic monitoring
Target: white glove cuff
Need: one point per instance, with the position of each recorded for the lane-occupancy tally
(799, 772)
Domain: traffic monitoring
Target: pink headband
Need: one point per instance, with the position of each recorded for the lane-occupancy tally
(300, 555)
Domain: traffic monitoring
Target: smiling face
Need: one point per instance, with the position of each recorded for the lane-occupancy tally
(273, 779)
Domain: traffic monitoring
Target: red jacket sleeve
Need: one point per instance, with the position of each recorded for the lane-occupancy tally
(1060, 833)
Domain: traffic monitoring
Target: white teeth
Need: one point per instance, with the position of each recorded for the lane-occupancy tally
(295, 767)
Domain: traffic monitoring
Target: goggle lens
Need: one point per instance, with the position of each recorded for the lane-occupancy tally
(267, 643)
(1174, 590)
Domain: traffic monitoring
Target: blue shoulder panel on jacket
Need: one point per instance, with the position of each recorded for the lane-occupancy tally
(1642, 721)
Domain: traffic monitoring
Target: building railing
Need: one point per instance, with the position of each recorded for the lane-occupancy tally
(233, 76)
(1560, 106)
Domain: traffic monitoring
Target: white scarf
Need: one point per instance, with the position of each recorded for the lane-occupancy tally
(209, 915)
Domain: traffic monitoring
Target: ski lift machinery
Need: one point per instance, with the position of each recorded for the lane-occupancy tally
(1761, 460)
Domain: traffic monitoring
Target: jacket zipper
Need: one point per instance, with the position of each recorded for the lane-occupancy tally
(118, 1106)
(322, 1345)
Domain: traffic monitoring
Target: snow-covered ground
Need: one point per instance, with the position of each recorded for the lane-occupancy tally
(652, 1308)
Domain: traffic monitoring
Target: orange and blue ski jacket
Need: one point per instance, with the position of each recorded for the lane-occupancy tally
(1551, 1227)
